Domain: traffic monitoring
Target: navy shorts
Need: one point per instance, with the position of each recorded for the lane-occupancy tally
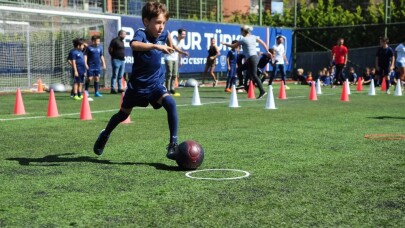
(79, 79)
(384, 70)
(93, 72)
(133, 98)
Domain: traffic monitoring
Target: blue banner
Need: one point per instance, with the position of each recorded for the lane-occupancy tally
(198, 40)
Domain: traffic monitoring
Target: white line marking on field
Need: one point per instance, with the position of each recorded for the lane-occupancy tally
(245, 174)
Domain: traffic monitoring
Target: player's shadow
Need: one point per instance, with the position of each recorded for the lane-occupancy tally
(58, 159)
(387, 117)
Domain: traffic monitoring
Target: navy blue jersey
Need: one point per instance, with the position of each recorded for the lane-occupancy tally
(232, 56)
(77, 56)
(94, 54)
(240, 57)
(70, 54)
(147, 72)
(264, 59)
(384, 56)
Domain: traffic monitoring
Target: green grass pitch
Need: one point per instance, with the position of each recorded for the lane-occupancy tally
(310, 163)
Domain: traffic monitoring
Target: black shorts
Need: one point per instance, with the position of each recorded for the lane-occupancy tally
(134, 98)
(384, 70)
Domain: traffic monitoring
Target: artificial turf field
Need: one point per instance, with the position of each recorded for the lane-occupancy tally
(323, 163)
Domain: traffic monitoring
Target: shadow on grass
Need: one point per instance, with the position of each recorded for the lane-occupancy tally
(387, 117)
(55, 160)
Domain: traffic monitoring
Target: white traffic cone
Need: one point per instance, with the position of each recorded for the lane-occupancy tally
(371, 91)
(196, 97)
(348, 87)
(233, 102)
(270, 99)
(318, 87)
(398, 89)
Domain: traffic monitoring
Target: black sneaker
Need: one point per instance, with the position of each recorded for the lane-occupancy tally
(121, 91)
(172, 151)
(113, 92)
(261, 95)
(100, 143)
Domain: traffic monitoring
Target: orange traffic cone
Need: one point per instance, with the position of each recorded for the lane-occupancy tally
(251, 90)
(312, 93)
(52, 107)
(19, 104)
(124, 83)
(40, 88)
(282, 95)
(128, 120)
(85, 113)
(359, 87)
(383, 84)
(345, 95)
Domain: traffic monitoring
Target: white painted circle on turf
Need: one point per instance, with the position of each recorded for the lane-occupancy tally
(245, 174)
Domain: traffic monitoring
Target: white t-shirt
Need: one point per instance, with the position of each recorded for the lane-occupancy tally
(400, 50)
(280, 52)
(175, 55)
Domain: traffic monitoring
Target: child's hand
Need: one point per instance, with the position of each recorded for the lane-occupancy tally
(166, 49)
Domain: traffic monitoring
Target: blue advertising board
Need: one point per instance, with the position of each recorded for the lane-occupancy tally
(198, 39)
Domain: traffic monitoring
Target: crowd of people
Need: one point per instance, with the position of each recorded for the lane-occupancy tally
(389, 68)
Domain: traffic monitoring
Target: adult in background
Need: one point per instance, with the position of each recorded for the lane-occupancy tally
(400, 59)
(117, 52)
(384, 61)
(213, 53)
(339, 59)
(248, 42)
(280, 59)
(173, 61)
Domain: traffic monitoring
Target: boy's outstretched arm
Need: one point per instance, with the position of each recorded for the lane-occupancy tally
(140, 46)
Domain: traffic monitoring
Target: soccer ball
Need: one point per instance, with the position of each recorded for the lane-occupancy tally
(191, 82)
(190, 155)
(57, 87)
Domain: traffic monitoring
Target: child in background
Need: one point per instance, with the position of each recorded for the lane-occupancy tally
(94, 58)
(231, 60)
(310, 79)
(374, 76)
(352, 76)
(366, 76)
(76, 59)
(302, 79)
(266, 58)
(326, 79)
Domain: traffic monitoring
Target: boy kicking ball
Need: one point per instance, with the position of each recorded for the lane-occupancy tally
(145, 84)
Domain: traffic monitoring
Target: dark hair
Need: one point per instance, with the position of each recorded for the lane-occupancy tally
(121, 31)
(77, 42)
(95, 37)
(271, 50)
(154, 9)
(279, 37)
(234, 41)
(181, 30)
(384, 39)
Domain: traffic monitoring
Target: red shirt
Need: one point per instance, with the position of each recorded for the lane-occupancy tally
(340, 52)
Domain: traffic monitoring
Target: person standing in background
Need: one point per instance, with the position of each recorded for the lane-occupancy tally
(384, 62)
(95, 63)
(173, 61)
(400, 59)
(117, 52)
(280, 59)
(213, 53)
(339, 60)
